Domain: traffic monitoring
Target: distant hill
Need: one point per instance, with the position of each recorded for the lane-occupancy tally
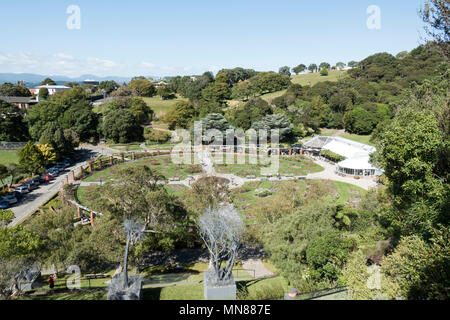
(34, 79)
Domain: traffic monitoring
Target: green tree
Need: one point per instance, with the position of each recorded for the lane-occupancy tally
(276, 121)
(13, 127)
(48, 81)
(287, 240)
(141, 111)
(121, 126)
(63, 141)
(326, 255)
(359, 121)
(340, 65)
(312, 67)
(324, 72)
(435, 14)
(285, 71)
(31, 159)
(298, 69)
(166, 93)
(10, 90)
(408, 149)
(324, 65)
(142, 87)
(253, 111)
(180, 115)
(242, 91)
(43, 93)
(217, 91)
(109, 86)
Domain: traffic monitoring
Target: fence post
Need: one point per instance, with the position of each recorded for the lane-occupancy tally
(79, 212)
(111, 160)
(92, 218)
(73, 175)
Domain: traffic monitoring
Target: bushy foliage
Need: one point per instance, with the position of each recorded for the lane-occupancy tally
(121, 126)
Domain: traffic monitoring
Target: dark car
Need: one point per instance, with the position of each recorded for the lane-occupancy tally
(4, 205)
(10, 199)
(31, 185)
(15, 194)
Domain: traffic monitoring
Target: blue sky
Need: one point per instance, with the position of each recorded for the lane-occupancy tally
(168, 37)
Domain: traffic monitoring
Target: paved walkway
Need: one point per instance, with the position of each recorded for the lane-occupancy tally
(329, 174)
(260, 270)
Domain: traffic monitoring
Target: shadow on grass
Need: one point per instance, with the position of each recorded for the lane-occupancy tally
(151, 293)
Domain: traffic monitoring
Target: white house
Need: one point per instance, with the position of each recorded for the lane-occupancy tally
(52, 89)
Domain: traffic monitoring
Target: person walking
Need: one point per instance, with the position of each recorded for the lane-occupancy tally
(51, 282)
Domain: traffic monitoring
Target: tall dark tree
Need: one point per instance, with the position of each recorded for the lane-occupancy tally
(13, 127)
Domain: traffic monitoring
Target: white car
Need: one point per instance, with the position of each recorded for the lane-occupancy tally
(22, 189)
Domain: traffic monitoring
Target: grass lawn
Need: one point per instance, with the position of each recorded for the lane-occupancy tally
(270, 96)
(247, 289)
(9, 157)
(191, 273)
(160, 106)
(350, 136)
(133, 146)
(358, 138)
(288, 165)
(347, 191)
(162, 165)
(313, 78)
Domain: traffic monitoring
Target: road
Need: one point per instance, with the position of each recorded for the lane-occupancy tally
(33, 200)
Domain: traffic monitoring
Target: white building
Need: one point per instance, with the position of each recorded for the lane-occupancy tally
(52, 89)
(357, 155)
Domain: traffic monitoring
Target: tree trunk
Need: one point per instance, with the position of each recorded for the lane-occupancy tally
(125, 263)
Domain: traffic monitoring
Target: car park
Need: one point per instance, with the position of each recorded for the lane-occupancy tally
(10, 199)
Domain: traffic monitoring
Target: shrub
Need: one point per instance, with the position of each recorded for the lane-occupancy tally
(262, 193)
(156, 136)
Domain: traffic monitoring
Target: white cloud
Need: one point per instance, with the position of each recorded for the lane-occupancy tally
(148, 65)
(61, 63)
(63, 56)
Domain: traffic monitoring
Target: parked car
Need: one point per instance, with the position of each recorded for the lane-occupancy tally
(54, 171)
(32, 186)
(15, 194)
(10, 199)
(47, 178)
(36, 181)
(22, 189)
(4, 205)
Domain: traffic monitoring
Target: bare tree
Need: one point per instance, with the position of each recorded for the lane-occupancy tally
(135, 232)
(221, 229)
(436, 15)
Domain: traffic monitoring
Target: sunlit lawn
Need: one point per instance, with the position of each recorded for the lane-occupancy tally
(297, 166)
(313, 78)
(9, 157)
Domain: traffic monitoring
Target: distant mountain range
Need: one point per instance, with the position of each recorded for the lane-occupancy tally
(34, 79)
